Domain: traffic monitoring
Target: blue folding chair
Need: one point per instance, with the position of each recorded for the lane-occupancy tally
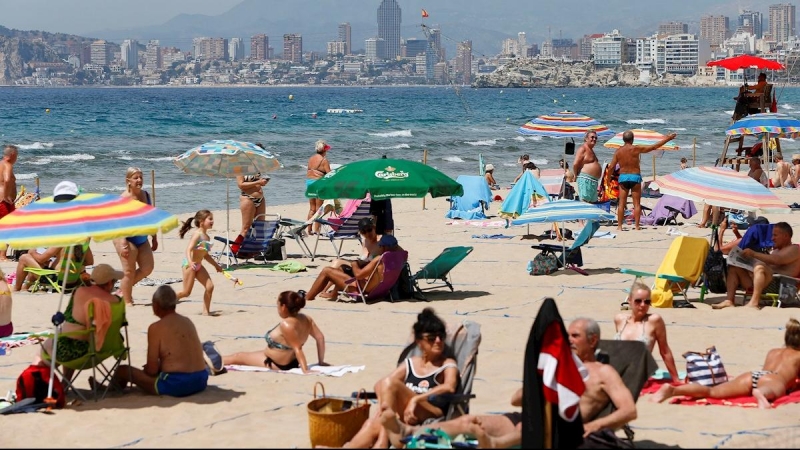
(256, 244)
(343, 228)
(475, 201)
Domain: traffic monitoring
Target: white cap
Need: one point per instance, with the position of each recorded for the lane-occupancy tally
(489, 167)
(65, 191)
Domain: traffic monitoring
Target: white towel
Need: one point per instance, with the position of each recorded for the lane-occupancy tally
(328, 371)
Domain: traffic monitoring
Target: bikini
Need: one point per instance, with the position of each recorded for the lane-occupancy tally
(273, 344)
(644, 339)
(757, 374)
(256, 200)
(201, 245)
(311, 180)
(138, 241)
(422, 384)
(71, 349)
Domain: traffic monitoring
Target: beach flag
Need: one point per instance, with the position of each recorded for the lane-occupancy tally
(424, 13)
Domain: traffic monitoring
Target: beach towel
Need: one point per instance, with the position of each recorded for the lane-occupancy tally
(478, 223)
(102, 320)
(653, 385)
(158, 281)
(23, 339)
(328, 371)
(492, 236)
(289, 267)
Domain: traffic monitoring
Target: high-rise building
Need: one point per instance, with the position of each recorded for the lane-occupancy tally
(99, 53)
(129, 54)
(781, 21)
(375, 49)
(236, 49)
(670, 28)
(259, 47)
(522, 44)
(293, 48)
(751, 21)
(344, 36)
(389, 20)
(152, 55)
(415, 47)
(463, 64)
(565, 48)
(210, 49)
(714, 29)
(436, 44)
(610, 50)
(336, 48)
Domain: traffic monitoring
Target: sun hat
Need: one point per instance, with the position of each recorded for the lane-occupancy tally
(489, 167)
(795, 156)
(387, 240)
(103, 273)
(65, 191)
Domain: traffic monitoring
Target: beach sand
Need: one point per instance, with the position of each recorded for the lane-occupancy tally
(492, 288)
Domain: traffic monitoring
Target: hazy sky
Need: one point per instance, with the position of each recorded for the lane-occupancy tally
(79, 16)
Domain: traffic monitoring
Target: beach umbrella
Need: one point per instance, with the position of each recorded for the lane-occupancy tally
(553, 378)
(383, 179)
(526, 193)
(769, 124)
(565, 124)
(746, 62)
(227, 159)
(721, 186)
(642, 137)
(562, 211)
(101, 217)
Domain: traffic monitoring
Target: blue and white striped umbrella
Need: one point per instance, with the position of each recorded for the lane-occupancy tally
(562, 211)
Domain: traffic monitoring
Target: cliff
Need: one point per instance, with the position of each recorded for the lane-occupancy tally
(531, 72)
(16, 53)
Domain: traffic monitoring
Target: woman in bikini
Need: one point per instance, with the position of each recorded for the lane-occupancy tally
(6, 327)
(197, 251)
(406, 390)
(318, 167)
(285, 340)
(644, 327)
(251, 202)
(135, 252)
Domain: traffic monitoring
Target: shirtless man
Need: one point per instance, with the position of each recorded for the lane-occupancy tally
(781, 369)
(757, 173)
(175, 359)
(796, 169)
(783, 175)
(587, 169)
(784, 260)
(603, 386)
(630, 176)
(8, 182)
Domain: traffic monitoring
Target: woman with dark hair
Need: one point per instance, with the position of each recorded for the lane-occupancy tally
(407, 389)
(286, 339)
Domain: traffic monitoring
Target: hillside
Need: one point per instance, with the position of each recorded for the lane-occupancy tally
(18, 48)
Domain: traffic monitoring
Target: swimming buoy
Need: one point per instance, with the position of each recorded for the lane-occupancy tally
(47, 110)
(291, 97)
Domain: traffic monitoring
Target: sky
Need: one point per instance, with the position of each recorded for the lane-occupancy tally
(80, 16)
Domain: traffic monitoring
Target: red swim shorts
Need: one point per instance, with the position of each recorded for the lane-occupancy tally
(6, 208)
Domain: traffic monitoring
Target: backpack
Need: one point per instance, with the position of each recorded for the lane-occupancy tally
(715, 269)
(34, 381)
(213, 359)
(543, 264)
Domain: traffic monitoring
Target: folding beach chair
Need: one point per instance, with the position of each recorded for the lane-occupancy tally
(439, 269)
(114, 347)
(571, 257)
(667, 210)
(342, 228)
(475, 201)
(296, 229)
(256, 244)
(389, 268)
(52, 280)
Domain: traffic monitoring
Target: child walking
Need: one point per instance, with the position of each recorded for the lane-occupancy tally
(198, 250)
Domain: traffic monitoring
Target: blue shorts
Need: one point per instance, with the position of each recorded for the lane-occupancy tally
(137, 240)
(587, 187)
(629, 180)
(181, 384)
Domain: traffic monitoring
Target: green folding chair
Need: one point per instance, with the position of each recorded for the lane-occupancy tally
(52, 279)
(439, 269)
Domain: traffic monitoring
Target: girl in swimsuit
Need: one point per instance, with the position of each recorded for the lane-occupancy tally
(135, 252)
(197, 251)
(647, 328)
(285, 340)
(318, 167)
(406, 390)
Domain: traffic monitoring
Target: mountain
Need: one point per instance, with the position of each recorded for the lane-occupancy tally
(485, 23)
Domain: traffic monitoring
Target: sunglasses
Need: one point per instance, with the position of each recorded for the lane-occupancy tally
(639, 301)
(431, 337)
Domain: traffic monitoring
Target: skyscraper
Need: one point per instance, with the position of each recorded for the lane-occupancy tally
(389, 20)
(293, 48)
(129, 53)
(344, 36)
(464, 62)
(781, 21)
(670, 28)
(752, 22)
(259, 47)
(714, 29)
(236, 49)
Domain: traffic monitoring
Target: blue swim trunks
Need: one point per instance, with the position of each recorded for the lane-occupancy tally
(629, 180)
(181, 384)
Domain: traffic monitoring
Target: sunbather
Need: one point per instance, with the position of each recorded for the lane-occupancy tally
(286, 339)
(6, 326)
(405, 391)
(370, 249)
(778, 376)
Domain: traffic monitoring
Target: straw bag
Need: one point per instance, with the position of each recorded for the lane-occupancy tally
(333, 422)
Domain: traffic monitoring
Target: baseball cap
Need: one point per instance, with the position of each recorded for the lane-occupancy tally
(103, 273)
(326, 147)
(489, 167)
(65, 191)
(387, 240)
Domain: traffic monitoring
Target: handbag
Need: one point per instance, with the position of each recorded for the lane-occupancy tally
(332, 422)
(705, 367)
(715, 268)
(544, 263)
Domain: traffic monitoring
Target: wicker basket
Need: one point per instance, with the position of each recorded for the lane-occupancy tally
(329, 425)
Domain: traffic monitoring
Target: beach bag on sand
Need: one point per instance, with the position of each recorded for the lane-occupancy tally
(543, 264)
(332, 422)
(715, 269)
(34, 382)
(705, 367)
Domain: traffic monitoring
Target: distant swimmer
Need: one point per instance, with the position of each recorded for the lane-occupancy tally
(314, 115)
(274, 116)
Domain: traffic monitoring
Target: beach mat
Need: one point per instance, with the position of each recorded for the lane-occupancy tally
(653, 385)
(328, 371)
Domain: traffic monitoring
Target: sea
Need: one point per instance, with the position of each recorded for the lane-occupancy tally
(92, 135)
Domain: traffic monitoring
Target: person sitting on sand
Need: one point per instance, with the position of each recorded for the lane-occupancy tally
(652, 326)
(603, 386)
(757, 172)
(783, 175)
(777, 378)
(405, 392)
(796, 169)
(339, 278)
(6, 326)
(285, 340)
(489, 176)
(784, 260)
(175, 359)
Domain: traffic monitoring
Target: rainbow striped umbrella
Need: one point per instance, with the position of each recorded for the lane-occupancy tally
(721, 186)
(642, 137)
(565, 124)
(101, 217)
(227, 158)
(775, 124)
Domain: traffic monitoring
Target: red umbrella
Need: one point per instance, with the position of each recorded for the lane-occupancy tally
(745, 62)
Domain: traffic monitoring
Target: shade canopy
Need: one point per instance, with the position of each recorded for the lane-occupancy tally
(745, 62)
(642, 137)
(565, 124)
(563, 210)
(227, 158)
(775, 124)
(527, 192)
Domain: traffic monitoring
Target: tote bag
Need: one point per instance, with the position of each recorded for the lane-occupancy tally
(705, 367)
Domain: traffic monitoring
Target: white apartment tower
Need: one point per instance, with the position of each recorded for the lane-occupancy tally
(236, 49)
(98, 53)
(522, 44)
(610, 50)
(782, 21)
(129, 53)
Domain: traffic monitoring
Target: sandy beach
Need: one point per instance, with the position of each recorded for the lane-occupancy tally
(492, 288)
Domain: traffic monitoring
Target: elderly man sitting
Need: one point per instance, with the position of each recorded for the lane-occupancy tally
(784, 260)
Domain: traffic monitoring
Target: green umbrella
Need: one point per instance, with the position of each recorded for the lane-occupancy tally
(382, 179)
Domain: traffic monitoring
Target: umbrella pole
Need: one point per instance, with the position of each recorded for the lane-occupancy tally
(424, 161)
(57, 319)
(228, 219)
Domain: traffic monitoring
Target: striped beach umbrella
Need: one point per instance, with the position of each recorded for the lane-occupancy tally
(227, 158)
(773, 124)
(721, 186)
(45, 223)
(565, 124)
(562, 211)
(642, 137)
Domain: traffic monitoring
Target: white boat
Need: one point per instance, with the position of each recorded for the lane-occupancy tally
(343, 111)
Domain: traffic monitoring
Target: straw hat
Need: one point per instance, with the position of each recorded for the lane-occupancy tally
(796, 156)
(489, 168)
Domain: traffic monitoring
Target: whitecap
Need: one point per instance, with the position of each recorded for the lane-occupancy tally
(401, 133)
(787, 139)
(35, 146)
(158, 185)
(486, 143)
(520, 138)
(534, 138)
(539, 162)
(73, 157)
(787, 106)
(645, 121)
(395, 147)
(454, 159)
(729, 113)
(676, 129)
(26, 176)
(707, 143)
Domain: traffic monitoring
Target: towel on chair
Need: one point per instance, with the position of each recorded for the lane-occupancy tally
(329, 371)
(102, 320)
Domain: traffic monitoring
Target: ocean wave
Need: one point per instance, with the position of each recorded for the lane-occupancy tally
(787, 139)
(395, 147)
(158, 185)
(787, 106)
(645, 121)
(728, 113)
(675, 129)
(707, 143)
(35, 146)
(44, 160)
(485, 143)
(539, 162)
(454, 159)
(401, 133)
(26, 176)
(520, 138)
